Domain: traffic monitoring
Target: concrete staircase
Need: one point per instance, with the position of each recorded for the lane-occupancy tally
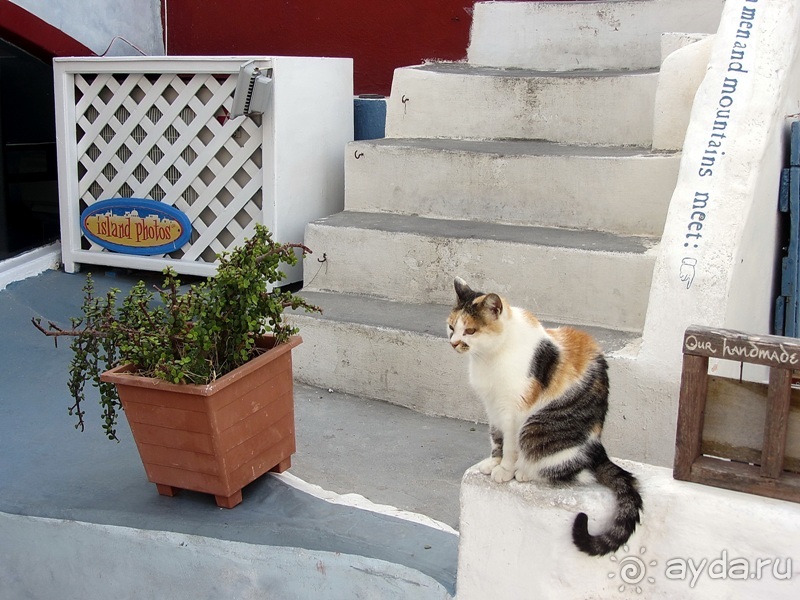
(528, 170)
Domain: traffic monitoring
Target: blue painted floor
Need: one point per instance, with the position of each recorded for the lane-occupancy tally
(48, 469)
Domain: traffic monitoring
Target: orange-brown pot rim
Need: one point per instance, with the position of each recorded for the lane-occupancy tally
(124, 374)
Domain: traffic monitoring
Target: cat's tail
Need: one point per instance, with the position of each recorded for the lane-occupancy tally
(629, 505)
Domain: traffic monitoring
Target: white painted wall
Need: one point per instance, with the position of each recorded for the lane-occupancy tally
(715, 265)
(95, 23)
(682, 71)
(516, 542)
(727, 279)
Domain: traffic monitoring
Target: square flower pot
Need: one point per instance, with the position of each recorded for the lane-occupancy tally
(213, 438)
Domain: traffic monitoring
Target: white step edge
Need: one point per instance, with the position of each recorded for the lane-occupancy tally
(585, 277)
(623, 190)
(29, 264)
(456, 100)
(562, 36)
(398, 352)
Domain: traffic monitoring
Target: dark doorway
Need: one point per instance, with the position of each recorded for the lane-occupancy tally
(28, 173)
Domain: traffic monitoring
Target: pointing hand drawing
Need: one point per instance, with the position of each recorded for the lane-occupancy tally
(687, 270)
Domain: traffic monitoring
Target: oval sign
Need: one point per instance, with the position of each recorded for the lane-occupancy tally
(136, 226)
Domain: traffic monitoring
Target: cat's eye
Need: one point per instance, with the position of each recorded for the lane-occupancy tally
(451, 327)
(469, 331)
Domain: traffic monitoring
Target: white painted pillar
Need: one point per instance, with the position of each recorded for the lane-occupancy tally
(716, 261)
(717, 257)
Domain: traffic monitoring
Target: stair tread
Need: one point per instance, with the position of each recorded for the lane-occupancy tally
(575, 239)
(463, 68)
(583, 35)
(458, 100)
(426, 319)
(514, 147)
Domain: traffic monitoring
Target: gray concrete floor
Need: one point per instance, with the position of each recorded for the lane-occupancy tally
(388, 454)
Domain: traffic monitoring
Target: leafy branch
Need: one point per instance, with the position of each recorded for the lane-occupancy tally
(181, 335)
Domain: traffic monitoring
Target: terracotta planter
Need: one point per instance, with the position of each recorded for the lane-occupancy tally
(213, 438)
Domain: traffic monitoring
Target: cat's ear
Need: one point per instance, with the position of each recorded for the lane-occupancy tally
(463, 291)
(493, 304)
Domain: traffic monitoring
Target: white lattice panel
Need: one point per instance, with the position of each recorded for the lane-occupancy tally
(157, 128)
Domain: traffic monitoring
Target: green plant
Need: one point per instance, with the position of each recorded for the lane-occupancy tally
(192, 334)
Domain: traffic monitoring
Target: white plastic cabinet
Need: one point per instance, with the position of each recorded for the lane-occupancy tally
(158, 128)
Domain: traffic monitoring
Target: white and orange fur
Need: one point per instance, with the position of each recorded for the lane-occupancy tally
(545, 392)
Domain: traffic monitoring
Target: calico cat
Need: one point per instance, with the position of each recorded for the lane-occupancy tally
(545, 392)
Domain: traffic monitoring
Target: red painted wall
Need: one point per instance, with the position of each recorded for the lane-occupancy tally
(35, 36)
(379, 35)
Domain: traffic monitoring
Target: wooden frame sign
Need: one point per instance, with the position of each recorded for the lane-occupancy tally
(739, 435)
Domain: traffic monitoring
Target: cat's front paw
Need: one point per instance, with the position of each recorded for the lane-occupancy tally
(523, 476)
(500, 474)
(487, 464)
(525, 472)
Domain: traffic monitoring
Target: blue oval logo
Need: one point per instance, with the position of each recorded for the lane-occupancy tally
(136, 226)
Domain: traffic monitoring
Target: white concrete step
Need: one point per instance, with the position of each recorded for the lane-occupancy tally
(396, 352)
(457, 100)
(618, 189)
(582, 277)
(562, 36)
